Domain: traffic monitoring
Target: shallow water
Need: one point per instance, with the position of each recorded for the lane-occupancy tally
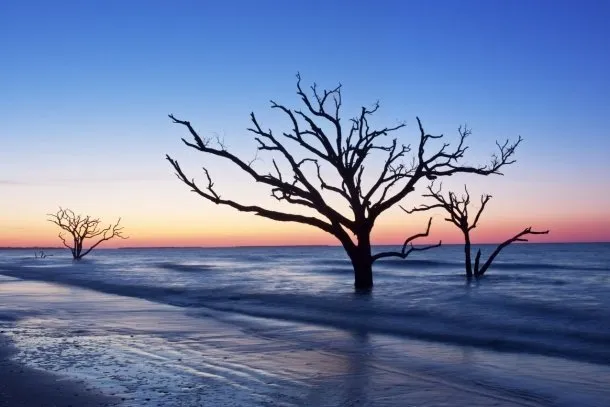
(536, 331)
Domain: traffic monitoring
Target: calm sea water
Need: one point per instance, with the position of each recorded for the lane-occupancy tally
(548, 299)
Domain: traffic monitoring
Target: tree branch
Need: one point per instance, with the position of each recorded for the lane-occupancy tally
(407, 246)
(517, 238)
(484, 200)
(446, 163)
(212, 196)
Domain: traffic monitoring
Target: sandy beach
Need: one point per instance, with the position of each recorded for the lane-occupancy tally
(93, 349)
(24, 386)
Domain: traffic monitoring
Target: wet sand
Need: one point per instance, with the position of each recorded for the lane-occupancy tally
(22, 386)
(142, 353)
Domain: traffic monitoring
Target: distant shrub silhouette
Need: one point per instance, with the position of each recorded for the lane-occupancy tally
(320, 144)
(81, 228)
(40, 255)
(457, 208)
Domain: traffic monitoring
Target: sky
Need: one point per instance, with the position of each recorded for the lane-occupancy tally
(86, 87)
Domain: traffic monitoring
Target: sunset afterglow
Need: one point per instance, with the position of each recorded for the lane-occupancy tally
(85, 126)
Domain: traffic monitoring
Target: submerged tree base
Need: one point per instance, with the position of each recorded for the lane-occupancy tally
(364, 285)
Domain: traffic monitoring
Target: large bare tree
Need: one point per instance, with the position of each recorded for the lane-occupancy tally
(457, 208)
(322, 155)
(81, 228)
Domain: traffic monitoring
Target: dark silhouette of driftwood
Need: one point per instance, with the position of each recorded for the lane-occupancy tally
(457, 208)
(81, 228)
(344, 149)
(40, 255)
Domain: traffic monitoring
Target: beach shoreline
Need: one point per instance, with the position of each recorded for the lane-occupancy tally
(140, 353)
(227, 342)
(24, 386)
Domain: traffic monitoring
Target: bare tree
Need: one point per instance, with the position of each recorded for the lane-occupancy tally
(319, 143)
(81, 228)
(457, 208)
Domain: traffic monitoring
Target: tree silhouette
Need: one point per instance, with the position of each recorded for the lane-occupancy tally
(319, 143)
(457, 208)
(81, 228)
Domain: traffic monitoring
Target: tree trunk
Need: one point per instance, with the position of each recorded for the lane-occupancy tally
(363, 273)
(362, 261)
(468, 260)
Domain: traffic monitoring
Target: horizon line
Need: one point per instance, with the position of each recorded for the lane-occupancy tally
(269, 245)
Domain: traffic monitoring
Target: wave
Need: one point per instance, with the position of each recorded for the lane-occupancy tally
(190, 268)
(420, 264)
(484, 322)
(546, 266)
(500, 265)
(589, 348)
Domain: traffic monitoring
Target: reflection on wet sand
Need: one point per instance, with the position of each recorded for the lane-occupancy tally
(148, 354)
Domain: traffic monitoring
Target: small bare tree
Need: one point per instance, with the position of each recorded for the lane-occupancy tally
(457, 208)
(320, 144)
(81, 228)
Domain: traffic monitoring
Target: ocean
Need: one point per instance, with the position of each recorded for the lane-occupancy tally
(534, 331)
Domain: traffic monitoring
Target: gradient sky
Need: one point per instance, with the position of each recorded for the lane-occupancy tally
(86, 86)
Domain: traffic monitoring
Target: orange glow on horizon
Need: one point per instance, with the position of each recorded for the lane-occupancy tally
(268, 233)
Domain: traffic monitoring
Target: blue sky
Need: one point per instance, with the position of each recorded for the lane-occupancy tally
(86, 87)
